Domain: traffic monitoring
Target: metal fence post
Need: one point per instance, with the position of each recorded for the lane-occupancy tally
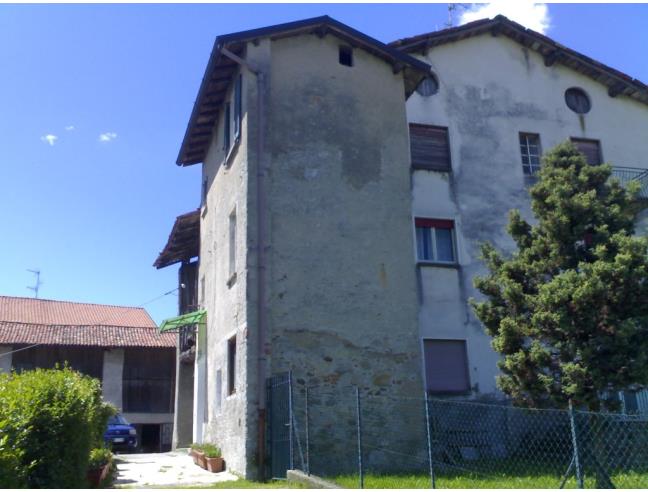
(359, 428)
(307, 435)
(290, 420)
(574, 434)
(429, 440)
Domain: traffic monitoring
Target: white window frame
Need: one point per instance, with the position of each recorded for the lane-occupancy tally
(525, 151)
(433, 239)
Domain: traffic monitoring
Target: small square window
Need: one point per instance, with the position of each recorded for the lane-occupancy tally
(346, 56)
(435, 240)
(530, 150)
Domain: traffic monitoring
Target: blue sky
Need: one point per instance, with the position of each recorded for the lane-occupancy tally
(93, 214)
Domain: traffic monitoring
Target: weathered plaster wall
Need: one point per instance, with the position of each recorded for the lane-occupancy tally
(5, 358)
(491, 88)
(342, 301)
(113, 367)
(223, 297)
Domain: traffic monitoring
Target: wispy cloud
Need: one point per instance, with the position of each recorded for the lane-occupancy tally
(69, 128)
(107, 137)
(49, 139)
(532, 15)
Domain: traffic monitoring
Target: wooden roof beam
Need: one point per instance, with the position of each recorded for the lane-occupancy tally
(617, 89)
(552, 57)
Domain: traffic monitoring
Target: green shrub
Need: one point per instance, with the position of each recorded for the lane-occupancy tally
(196, 446)
(99, 457)
(49, 421)
(211, 451)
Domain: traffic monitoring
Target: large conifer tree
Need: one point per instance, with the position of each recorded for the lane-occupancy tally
(568, 310)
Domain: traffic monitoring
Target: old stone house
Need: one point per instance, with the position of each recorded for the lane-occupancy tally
(118, 345)
(346, 187)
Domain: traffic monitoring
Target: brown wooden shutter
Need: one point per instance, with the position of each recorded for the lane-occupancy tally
(590, 148)
(429, 147)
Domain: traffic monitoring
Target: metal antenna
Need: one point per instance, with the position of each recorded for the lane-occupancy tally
(38, 282)
(451, 9)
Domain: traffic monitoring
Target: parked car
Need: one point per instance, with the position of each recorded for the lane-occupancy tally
(120, 435)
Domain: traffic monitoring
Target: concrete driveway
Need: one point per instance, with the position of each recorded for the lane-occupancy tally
(175, 469)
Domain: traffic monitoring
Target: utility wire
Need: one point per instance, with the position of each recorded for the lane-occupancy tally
(98, 323)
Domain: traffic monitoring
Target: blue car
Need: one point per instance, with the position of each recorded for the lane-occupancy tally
(120, 435)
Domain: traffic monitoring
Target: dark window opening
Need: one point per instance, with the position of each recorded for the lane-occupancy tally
(429, 147)
(530, 149)
(231, 366)
(226, 128)
(205, 184)
(577, 100)
(435, 240)
(446, 366)
(237, 108)
(346, 56)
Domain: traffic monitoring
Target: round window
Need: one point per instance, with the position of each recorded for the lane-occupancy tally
(428, 86)
(577, 100)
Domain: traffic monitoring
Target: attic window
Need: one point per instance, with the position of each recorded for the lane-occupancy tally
(346, 56)
(428, 86)
(577, 100)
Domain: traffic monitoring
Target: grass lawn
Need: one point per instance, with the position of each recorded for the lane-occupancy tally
(491, 481)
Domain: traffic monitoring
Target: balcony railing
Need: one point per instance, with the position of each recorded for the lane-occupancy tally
(629, 174)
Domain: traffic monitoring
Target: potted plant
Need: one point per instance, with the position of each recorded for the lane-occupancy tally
(198, 455)
(98, 465)
(213, 458)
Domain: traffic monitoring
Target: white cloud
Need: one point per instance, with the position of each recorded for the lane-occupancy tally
(49, 139)
(69, 128)
(532, 15)
(107, 137)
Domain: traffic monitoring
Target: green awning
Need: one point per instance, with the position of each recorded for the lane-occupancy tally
(192, 318)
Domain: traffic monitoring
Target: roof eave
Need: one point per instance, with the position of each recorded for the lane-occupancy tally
(414, 69)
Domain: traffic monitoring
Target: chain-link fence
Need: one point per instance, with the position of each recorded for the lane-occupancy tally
(376, 438)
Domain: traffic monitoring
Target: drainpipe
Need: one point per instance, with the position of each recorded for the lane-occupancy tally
(261, 200)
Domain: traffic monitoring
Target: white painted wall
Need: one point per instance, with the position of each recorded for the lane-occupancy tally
(492, 88)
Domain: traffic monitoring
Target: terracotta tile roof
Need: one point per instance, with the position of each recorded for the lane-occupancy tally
(13, 333)
(28, 321)
(47, 312)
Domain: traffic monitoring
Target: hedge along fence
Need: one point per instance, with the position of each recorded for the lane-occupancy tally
(50, 419)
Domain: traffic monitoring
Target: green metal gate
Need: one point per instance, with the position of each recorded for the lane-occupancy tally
(278, 432)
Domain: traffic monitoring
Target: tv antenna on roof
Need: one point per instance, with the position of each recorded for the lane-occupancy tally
(451, 9)
(38, 282)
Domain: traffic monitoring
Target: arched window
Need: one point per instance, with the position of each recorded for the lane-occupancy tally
(428, 86)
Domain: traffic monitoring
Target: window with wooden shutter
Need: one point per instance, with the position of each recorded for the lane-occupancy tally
(429, 147)
(590, 148)
(446, 366)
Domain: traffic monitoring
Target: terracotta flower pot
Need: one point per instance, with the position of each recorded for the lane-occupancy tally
(96, 475)
(215, 465)
(199, 458)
